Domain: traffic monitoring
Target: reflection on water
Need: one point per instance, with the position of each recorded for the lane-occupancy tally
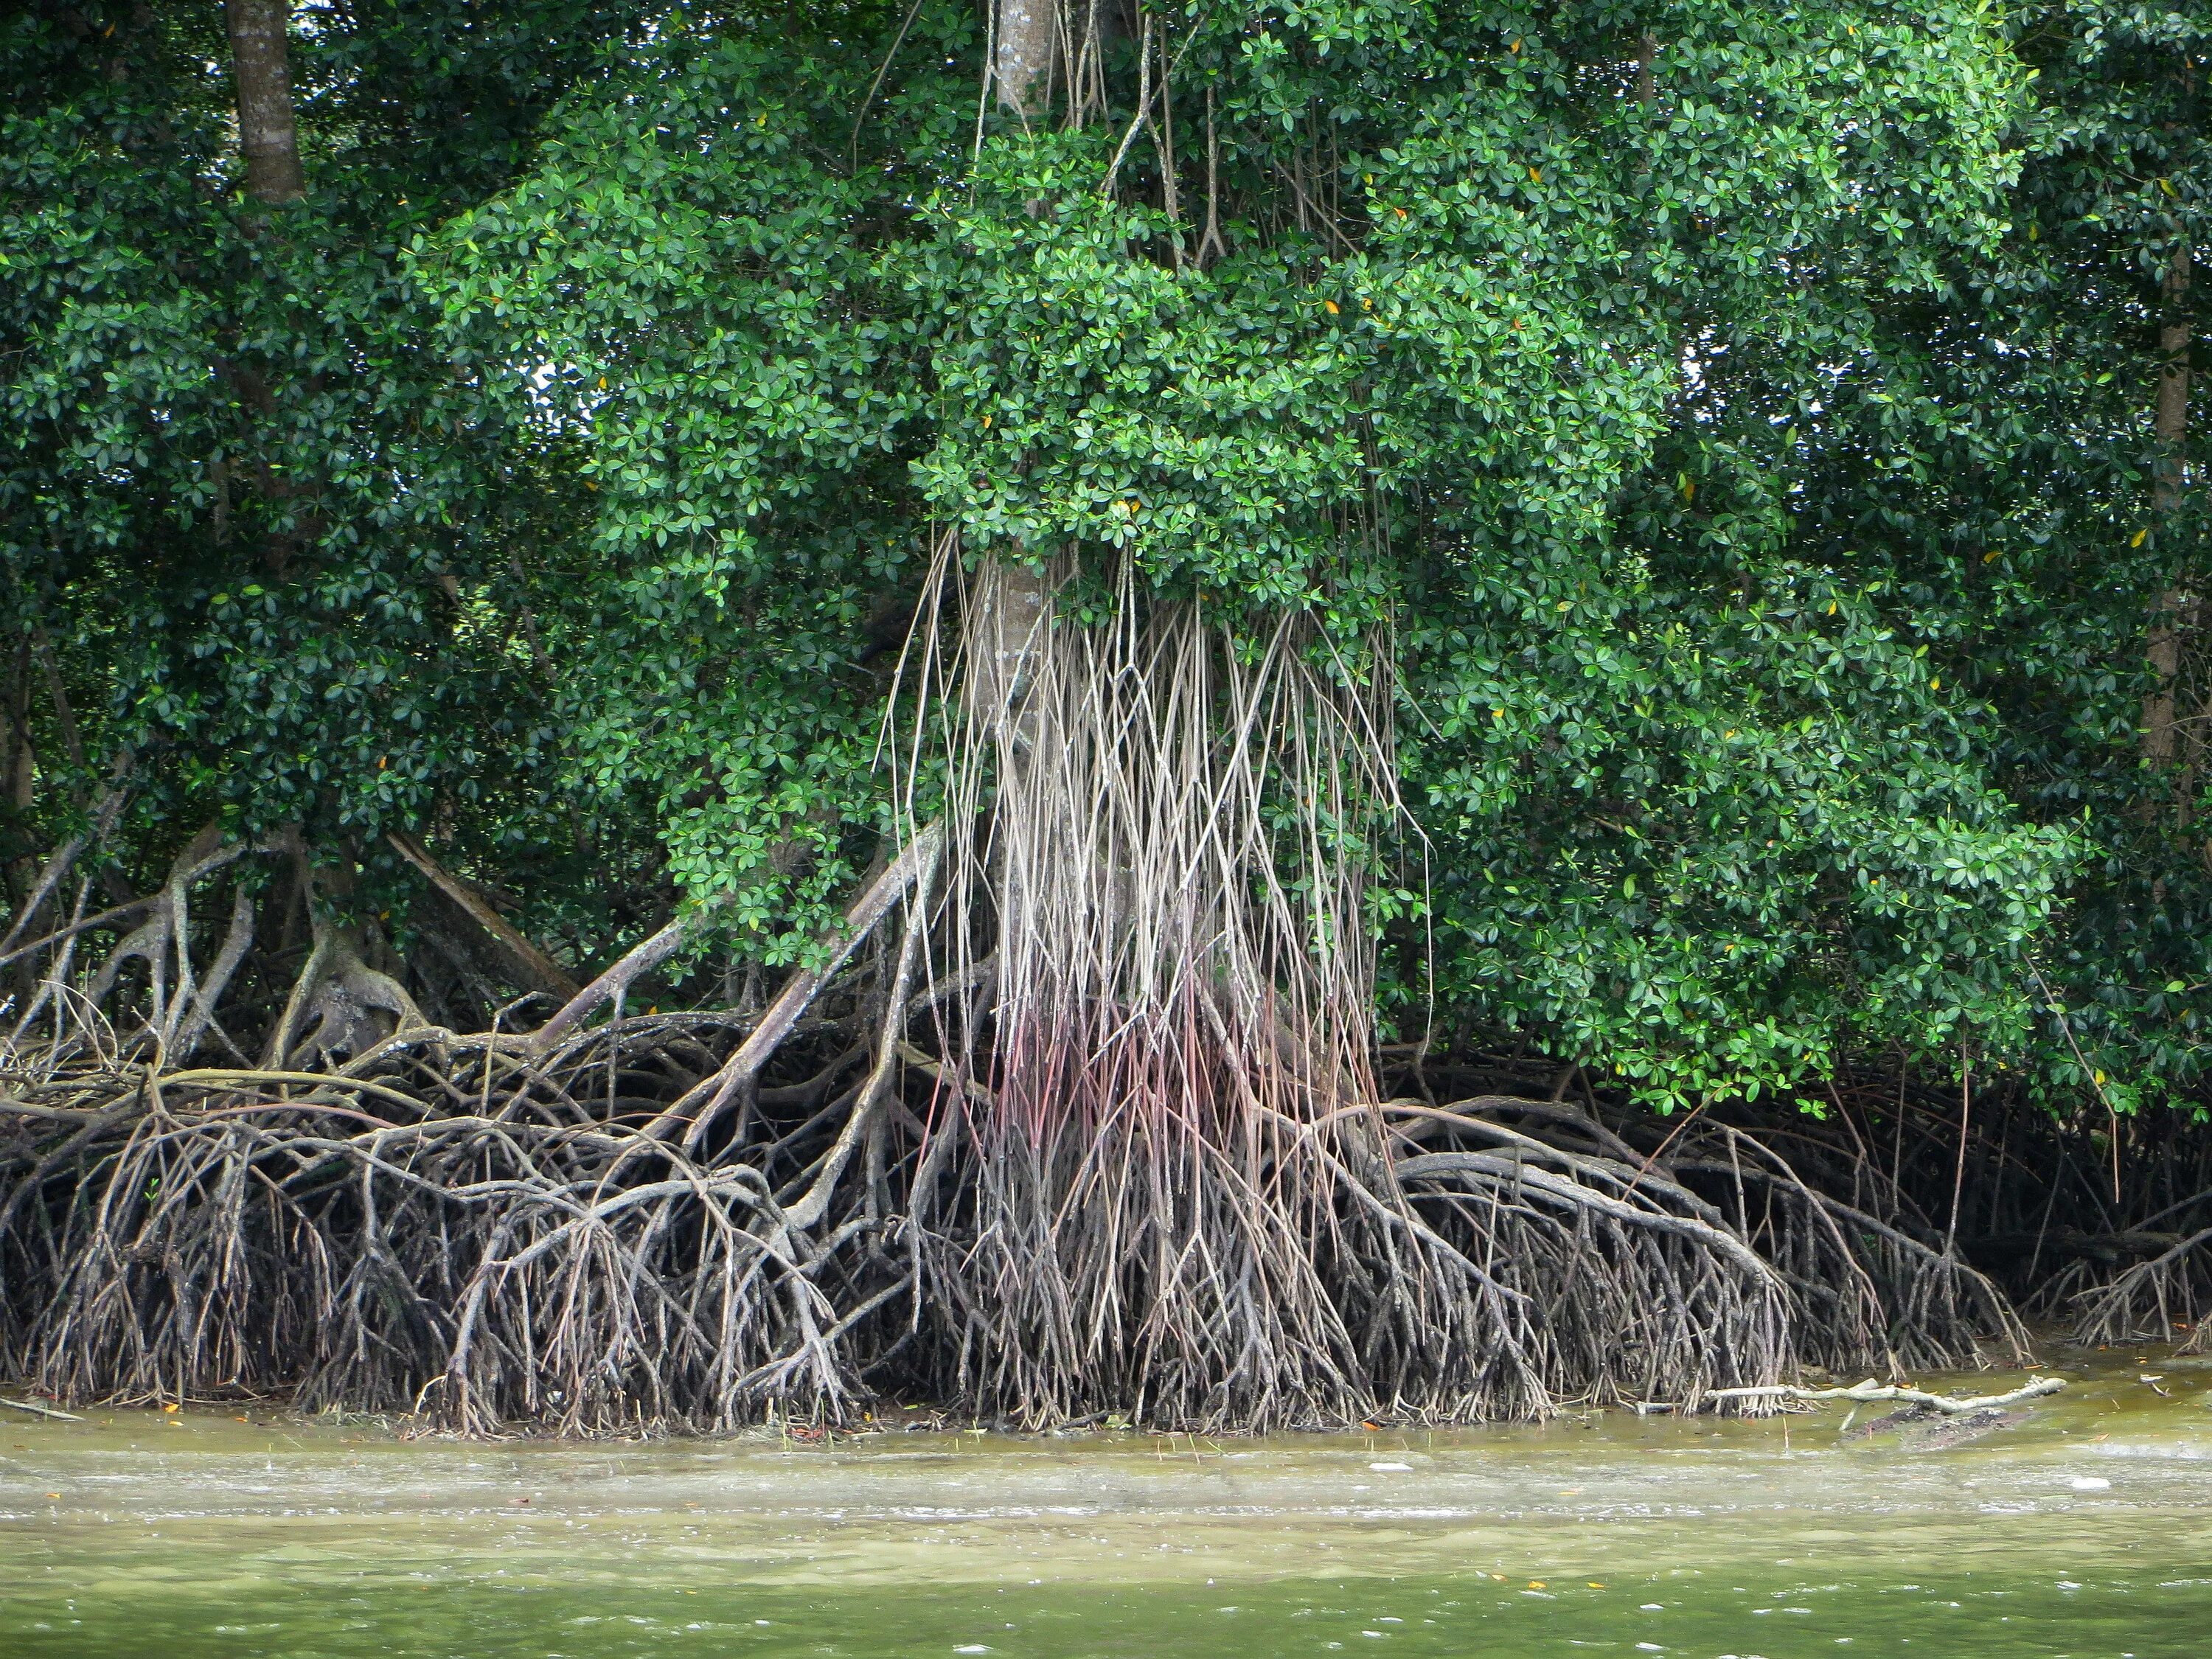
(195, 1536)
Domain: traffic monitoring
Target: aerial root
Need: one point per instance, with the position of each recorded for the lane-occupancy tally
(1073, 1115)
(1030, 1199)
(1873, 1293)
(468, 1228)
(480, 1270)
(2151, 1300)
(485, 1269)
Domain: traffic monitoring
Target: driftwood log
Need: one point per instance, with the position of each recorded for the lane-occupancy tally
(1872, 1392)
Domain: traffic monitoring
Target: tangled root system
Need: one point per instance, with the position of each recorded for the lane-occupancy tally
(462, 1228)
(1076, 1115)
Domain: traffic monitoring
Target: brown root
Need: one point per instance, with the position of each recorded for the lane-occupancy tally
(360, 1241)
(1075, 1117)
(2150, 1300)
(470, 1229)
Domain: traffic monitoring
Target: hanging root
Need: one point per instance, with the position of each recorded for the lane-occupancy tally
(490, 1235)
(1872, 1293)
(1192, 1263)
(1150, 1201)
(1073, 1116)
(1165, 1194)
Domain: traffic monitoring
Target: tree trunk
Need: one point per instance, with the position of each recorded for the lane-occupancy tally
(1021, 63)
(1012, 616)
(18, 757)
(261, 68)
(18, 777)
(2173, 419)
(2161, 733)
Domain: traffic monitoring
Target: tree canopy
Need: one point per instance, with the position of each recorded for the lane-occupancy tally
(1748, 442)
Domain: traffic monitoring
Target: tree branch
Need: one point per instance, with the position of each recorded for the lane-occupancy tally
(1868, 1392)
(540, 970)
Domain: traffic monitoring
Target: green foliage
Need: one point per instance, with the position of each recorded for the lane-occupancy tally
(1983, 455)
(683, 293)
(1430, 374)
(1744, 448)
(280, 548)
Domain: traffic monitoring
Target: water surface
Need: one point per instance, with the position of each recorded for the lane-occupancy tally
(195, 1535)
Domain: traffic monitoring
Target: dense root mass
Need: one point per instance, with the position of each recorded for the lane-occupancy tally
(2146, 1284)
(1076, 1115)
(2095, 1223)
(1156, 870)
(493, 1235)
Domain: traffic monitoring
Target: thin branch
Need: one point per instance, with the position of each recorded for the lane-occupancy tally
(1869, 1392)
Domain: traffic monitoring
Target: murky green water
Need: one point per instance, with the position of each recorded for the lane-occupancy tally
(195, 1536)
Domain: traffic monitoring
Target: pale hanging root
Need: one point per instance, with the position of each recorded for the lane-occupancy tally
(1075, 1117)
(1169, 1198)
(1155, 835)
(1153, 1252)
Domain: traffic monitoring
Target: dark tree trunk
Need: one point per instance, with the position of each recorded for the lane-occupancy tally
(2172, 417)
(2169, 621)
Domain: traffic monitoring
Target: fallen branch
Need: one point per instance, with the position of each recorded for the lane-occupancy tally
(37, 1410)
(1869, 1392)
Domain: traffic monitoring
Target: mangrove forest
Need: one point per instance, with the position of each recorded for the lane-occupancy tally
(1201, 715)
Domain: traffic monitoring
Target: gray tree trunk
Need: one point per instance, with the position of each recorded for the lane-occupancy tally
(261, 71)
(1021, 65)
